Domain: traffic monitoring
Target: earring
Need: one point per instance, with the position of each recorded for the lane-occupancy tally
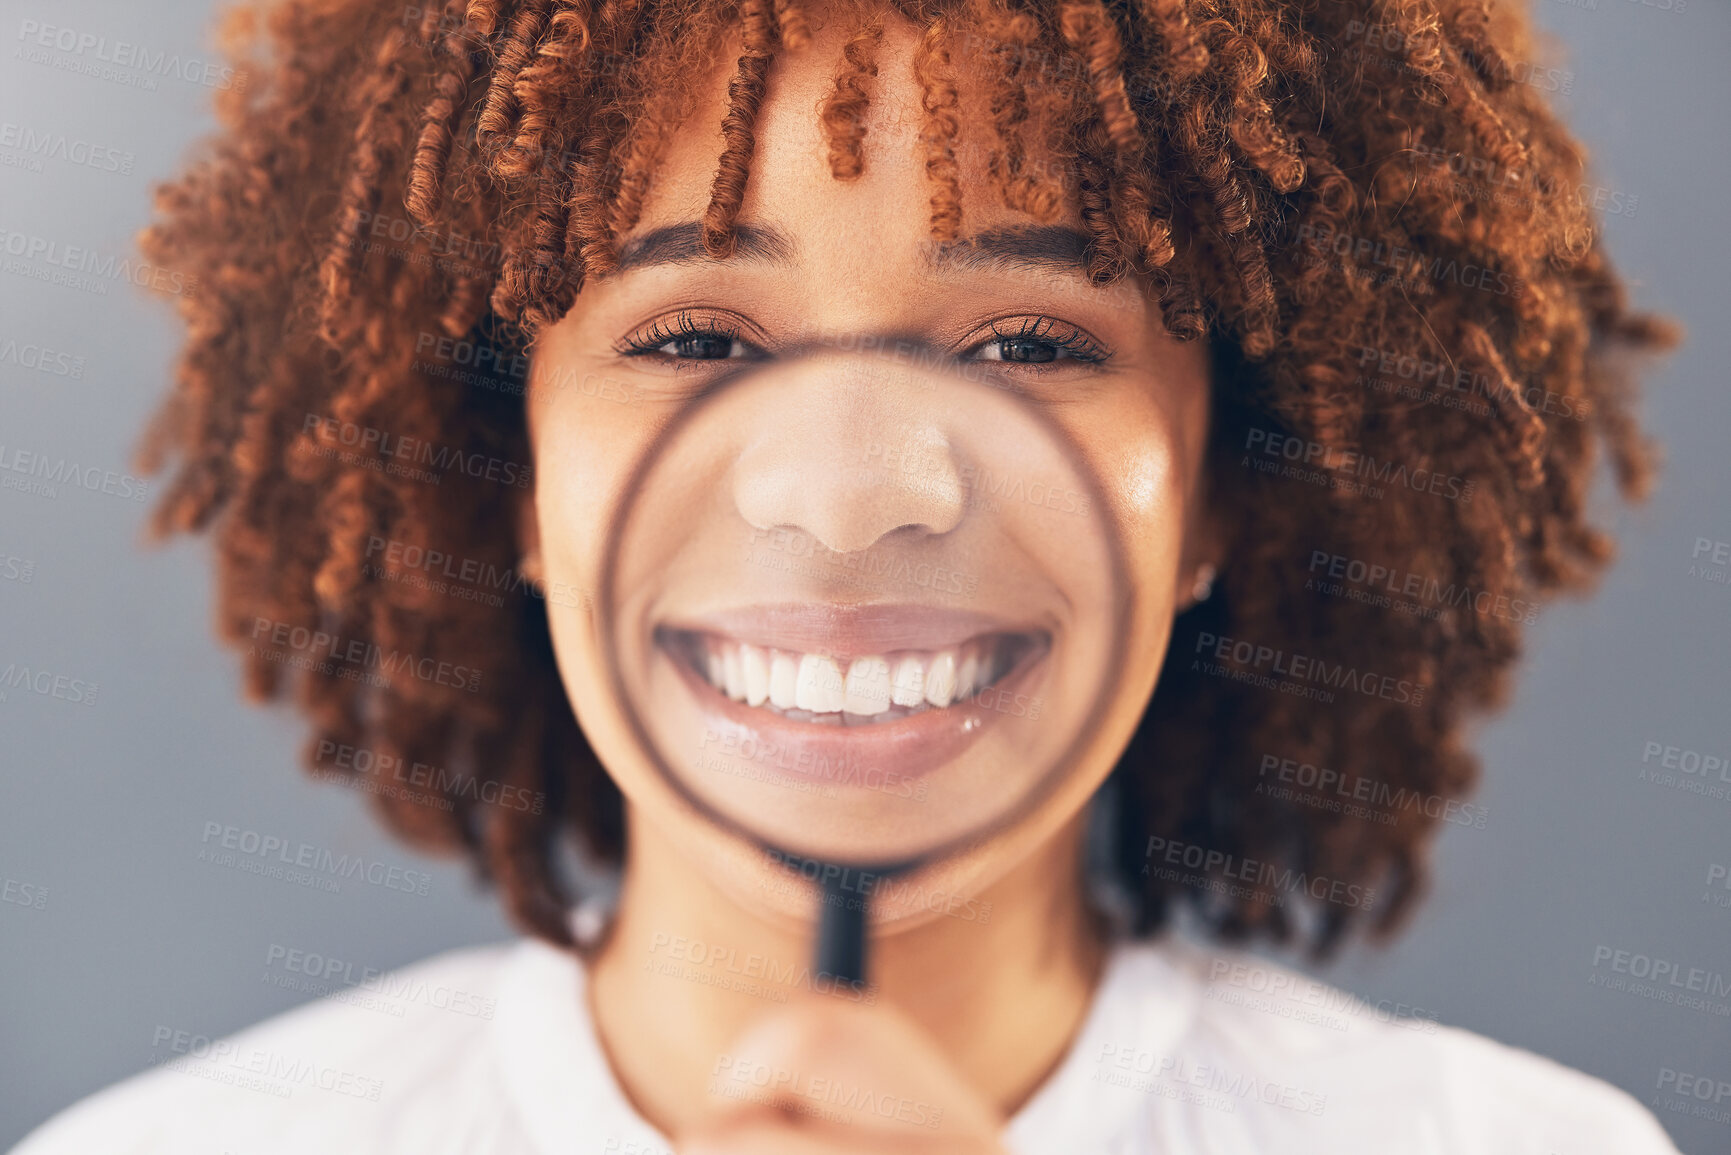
(529, 565)
(1203, 587)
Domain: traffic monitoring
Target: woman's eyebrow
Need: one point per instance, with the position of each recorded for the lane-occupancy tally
(1041, 248)
(683, 242)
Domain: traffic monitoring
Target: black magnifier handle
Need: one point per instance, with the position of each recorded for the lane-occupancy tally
(841, 931)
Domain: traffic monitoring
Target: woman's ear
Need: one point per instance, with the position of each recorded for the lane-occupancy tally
(1203, 554)
(528, 521)
(1209, 497)
(528, 536)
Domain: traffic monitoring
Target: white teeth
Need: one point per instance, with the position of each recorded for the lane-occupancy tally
(873, 685)
(820, 688)
(941, 679)
(868, 686)
(908, 682)
(754, 664)
(783, 681)
(967, 676)
(733, 676)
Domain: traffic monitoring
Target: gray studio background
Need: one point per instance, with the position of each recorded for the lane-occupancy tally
(110, 926)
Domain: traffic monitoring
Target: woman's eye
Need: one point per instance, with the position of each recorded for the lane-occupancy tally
(703, 347)
(1019, 349)
(1038, 341)
(689, 337)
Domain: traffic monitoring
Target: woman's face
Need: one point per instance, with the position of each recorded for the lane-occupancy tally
(850, 668)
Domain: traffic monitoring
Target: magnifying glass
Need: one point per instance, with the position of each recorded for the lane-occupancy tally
(862, 611)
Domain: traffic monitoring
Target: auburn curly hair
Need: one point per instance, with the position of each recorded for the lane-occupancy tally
(1365, 206)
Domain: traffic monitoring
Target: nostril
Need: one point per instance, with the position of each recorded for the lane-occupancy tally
(912, 529)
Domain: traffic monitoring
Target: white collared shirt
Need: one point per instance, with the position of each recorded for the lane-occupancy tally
(1183, 1052)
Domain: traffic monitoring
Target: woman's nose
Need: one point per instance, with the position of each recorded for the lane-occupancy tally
(850, 457)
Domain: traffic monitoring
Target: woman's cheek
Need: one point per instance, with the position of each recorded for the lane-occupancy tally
(1146, 472)
(584, 454)
(586, 450)
(1150, 502)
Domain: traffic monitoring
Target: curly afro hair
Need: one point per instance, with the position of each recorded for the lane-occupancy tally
(1364, 206)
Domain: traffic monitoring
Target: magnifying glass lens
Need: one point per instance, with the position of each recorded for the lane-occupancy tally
(862, 613)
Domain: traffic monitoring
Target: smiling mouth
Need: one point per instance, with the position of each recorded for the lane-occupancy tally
(851, 690)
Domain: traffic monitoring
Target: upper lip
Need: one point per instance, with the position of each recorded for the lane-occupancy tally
(849, 629)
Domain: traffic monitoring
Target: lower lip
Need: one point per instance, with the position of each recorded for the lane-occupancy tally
(911, 747)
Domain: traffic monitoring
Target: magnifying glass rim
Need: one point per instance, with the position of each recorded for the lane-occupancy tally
(607, 636)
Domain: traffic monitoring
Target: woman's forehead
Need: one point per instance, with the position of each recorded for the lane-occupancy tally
(790, 162)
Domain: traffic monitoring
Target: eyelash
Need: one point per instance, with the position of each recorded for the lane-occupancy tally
(1060, 335)
(686, 324)
(1073, 341)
